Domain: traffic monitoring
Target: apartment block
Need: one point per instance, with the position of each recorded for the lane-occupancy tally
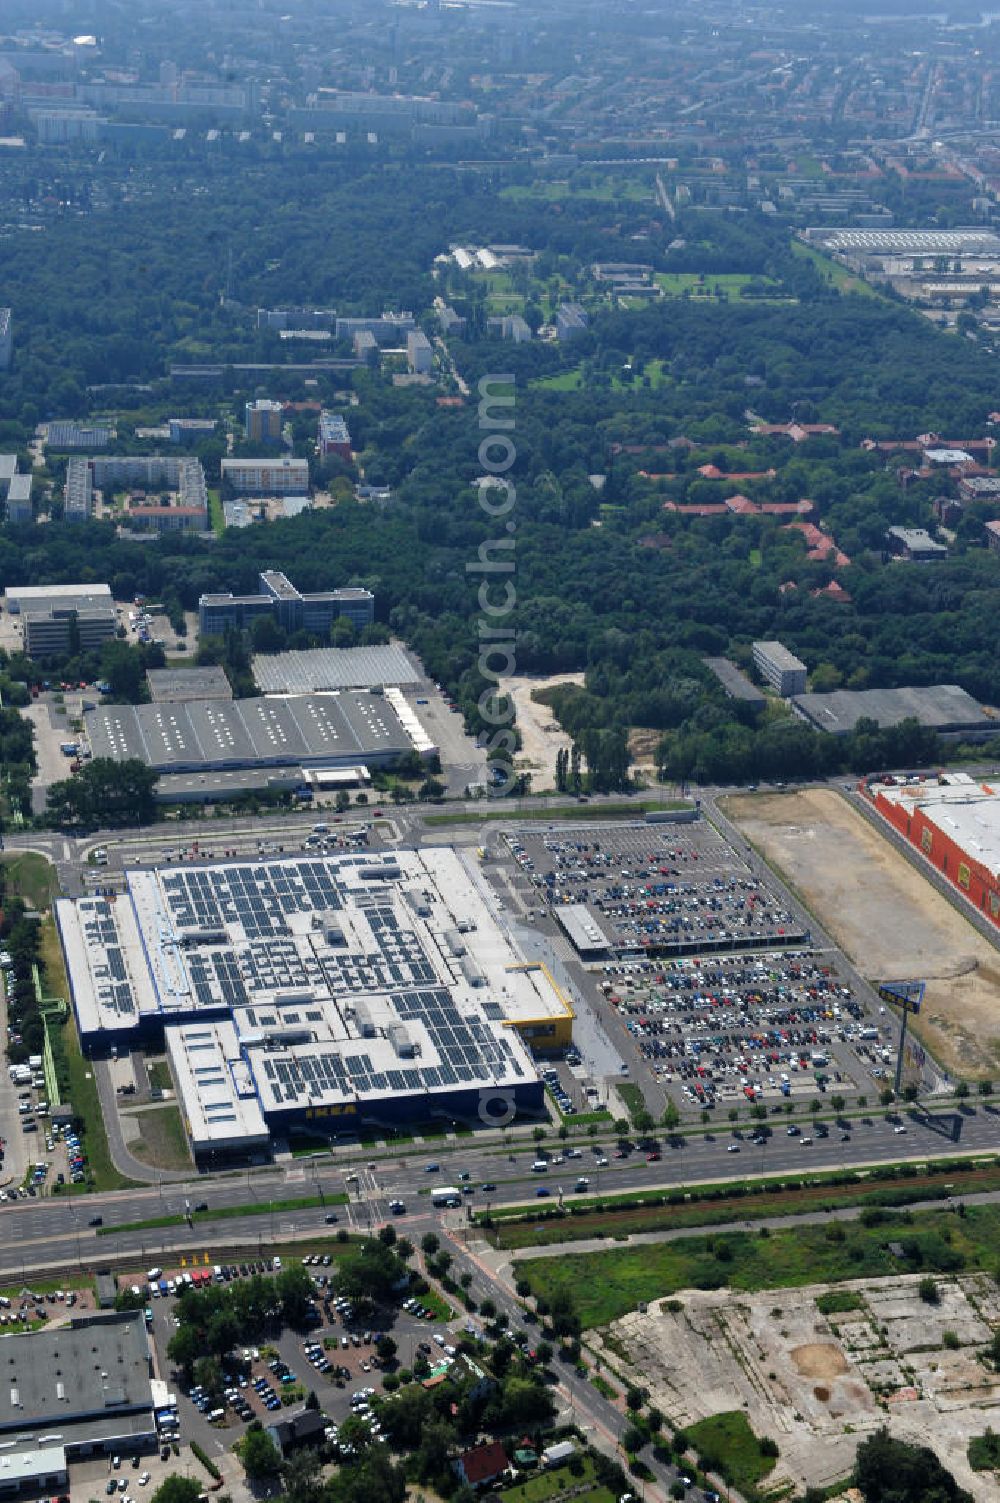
(780, 668)
(267, 477)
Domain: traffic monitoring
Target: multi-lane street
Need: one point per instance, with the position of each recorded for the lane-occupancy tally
(57, 1232)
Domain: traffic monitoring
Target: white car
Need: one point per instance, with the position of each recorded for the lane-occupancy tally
(143, 1479)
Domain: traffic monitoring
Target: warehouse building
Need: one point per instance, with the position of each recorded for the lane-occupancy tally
(736, 683)
(73, 1391)
(297, 731)
(61, 618)
(944, 708)
(178, 685)
(780, 668)
(954, 821)
(324, 668)
(317, 992)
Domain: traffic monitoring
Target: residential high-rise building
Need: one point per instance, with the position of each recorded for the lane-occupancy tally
(262, 422)
(419, 353)
(334, 437)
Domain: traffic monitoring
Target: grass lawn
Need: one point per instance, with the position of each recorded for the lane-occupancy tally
(839, 1302)
(565, 381)
(216, 515)
(160, 1078)
(727, 1445)
(574, 812)
(632, 1096)
(604, 1285)
(32, 878)
(439, 1308)
(162, 1142)
(545, 1485)
(604, 189)
(831, 271)
(722, 287)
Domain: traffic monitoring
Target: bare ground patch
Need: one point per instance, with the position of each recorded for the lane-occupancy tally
(818, 1359)
(541, 735)
(887, 917)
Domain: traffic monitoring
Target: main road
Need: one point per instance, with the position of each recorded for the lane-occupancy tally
(57, 1231)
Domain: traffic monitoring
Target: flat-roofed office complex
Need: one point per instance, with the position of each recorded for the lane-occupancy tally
(54, 616)
(316, 991)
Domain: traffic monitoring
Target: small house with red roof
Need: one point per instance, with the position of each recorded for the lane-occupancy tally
(482, 1464)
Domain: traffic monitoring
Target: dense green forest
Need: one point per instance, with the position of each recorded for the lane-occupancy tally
(608, 579)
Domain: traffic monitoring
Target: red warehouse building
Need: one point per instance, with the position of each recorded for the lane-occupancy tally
(954, 821)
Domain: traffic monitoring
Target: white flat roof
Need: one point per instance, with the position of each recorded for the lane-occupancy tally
(312, 980)
(29, 595)
(962, 808)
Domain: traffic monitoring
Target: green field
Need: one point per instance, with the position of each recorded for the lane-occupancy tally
(32, 878)
(574, 812)
(831, 271)
(162, 1142)
(216, 515)
(726, 1444)
(605, 189)
(722, 287)
(651, 377)
(605, 1285)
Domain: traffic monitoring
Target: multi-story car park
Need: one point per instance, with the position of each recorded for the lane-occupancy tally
(664, 889)
(322, 991)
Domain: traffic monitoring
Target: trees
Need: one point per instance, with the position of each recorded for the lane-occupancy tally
(890, 1471)
(259, 1455)
(104, 792)
(174, 1489)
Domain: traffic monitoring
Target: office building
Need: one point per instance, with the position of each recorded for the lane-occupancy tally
(318, 991)
(263, 421)
(266, 477)
(290, 609)
(915, 544)
(58, 619)
(780, 668)
(571, 321)
(72, 1391)
(386, 328)
(19, 500)
(334, 437)
(6, 339)
(419, 353)
(190, 430)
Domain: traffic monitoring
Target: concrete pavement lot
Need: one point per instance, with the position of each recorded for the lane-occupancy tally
(886, 916)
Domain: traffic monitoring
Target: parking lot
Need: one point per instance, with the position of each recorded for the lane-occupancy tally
(50, 1152)
(337, 1358)
(780, 1024)
(668, 889)
(706, 980)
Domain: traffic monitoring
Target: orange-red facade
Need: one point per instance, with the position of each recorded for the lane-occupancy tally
(972, 879)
